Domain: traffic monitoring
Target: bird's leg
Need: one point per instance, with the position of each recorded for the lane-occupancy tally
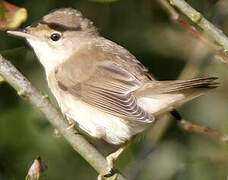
(111, 158)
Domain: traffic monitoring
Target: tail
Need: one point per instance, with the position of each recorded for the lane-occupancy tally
(164, 96)
(179, 85)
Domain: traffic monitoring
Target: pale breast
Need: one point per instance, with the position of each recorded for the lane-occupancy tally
(99, 124)
(95, 122)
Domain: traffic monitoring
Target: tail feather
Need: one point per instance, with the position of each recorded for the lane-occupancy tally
(161, 87)
(164, 96)
(193, 83)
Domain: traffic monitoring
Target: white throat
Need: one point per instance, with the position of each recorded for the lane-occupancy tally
(49, 58)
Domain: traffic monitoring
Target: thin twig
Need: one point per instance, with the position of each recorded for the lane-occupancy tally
(190, 126)
(196, 17)
(33, 96)
(169, 9)
(175, 16)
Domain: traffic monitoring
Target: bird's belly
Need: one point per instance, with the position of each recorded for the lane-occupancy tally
(99, 124)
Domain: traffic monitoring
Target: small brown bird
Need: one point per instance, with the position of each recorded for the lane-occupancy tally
(98, 83)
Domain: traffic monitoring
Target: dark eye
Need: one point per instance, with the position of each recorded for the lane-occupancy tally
(55, 36)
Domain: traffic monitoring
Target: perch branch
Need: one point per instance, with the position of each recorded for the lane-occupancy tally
(25, 89)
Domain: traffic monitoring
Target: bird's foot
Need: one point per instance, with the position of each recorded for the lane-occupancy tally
(111, 158)
(111, 175)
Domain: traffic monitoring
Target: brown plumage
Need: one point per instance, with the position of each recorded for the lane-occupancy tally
(114, 81)
(98, 83)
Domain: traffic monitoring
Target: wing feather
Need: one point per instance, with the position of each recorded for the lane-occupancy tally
(110, 90)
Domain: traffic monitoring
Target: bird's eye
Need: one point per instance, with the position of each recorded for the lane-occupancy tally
(55, 36)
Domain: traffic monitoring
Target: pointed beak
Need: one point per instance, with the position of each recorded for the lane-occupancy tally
(21, 33)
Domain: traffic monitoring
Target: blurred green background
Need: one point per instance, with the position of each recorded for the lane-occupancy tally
(144, 28)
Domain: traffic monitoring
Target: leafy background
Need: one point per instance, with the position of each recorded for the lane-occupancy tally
(144, 28)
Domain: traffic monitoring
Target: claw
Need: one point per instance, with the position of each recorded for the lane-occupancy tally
(109, 176)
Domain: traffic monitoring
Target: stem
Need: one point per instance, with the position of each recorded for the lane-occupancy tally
(197, 18)
(221, 54)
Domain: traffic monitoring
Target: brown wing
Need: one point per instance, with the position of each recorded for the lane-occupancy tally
(108, 77)
(112, 93)
(109, 88)
(104, 75)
